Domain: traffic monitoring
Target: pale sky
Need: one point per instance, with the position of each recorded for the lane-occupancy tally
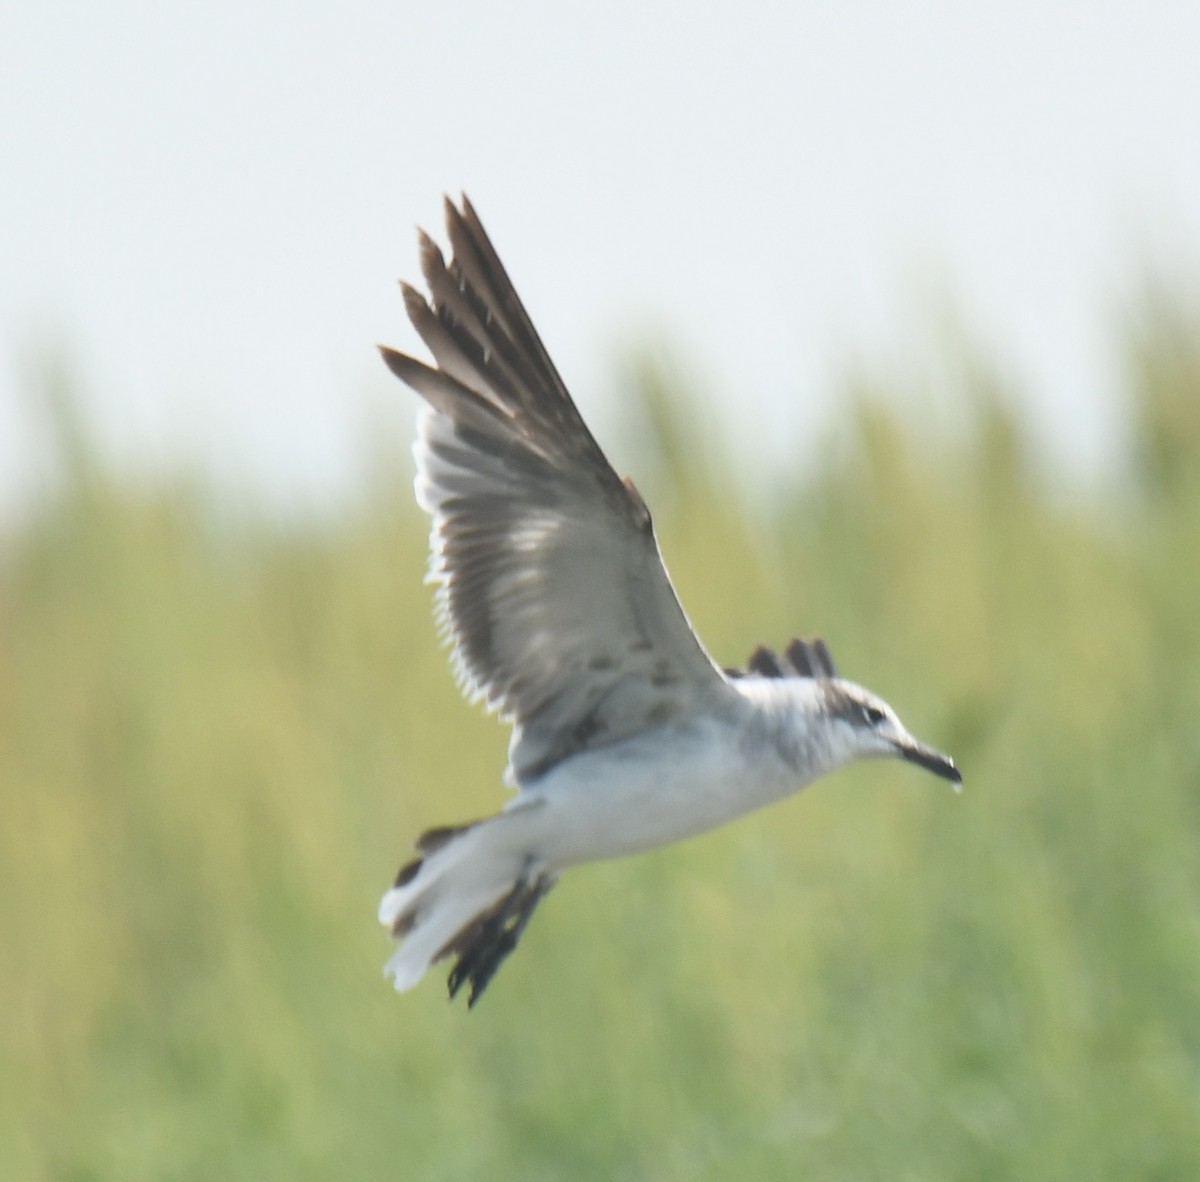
(209, 205)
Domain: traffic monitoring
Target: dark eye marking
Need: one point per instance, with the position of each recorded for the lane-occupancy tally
(872, 715)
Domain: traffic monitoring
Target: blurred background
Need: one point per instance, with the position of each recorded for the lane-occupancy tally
(893, 313)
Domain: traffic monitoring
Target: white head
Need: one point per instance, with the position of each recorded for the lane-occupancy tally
(864, 726)
(851, 722)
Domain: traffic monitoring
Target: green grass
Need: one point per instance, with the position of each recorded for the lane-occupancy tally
(219, 735)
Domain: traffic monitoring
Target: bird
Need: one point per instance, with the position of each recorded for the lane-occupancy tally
(553, 598)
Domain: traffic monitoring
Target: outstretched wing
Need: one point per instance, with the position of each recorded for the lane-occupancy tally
(551, 587)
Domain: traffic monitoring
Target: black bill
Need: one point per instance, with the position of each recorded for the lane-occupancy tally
(931, 760)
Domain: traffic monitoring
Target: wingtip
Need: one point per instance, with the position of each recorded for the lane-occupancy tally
(433, 262)
(403, 366)
(416, 306)
(450, 211)
(411, 294)
(466, 232)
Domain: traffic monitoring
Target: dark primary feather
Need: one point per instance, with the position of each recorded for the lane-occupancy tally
(551, 586)
(811, 658)
(801, 658)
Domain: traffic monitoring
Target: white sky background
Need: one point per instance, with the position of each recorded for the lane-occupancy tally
(209, 205)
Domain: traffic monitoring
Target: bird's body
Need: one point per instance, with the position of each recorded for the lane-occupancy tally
(676, 780)
(562, 618)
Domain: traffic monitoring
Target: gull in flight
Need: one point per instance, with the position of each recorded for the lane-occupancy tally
(562, 619)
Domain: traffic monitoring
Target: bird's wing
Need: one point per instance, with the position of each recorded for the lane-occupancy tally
(801, 658)
(551, 587)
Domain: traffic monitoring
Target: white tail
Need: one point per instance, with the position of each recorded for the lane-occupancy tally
(469, 895)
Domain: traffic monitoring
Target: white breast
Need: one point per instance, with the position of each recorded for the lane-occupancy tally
(656, 788)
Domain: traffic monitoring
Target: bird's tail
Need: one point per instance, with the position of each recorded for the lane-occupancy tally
(469, 895)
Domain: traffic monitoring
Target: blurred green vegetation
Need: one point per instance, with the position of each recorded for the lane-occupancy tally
(219, 734)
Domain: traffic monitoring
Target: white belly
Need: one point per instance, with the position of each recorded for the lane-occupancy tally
(648, 791)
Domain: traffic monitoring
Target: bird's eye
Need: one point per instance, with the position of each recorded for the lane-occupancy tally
(872, 715)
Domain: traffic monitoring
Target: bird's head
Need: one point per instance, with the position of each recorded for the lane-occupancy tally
(864, 726)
